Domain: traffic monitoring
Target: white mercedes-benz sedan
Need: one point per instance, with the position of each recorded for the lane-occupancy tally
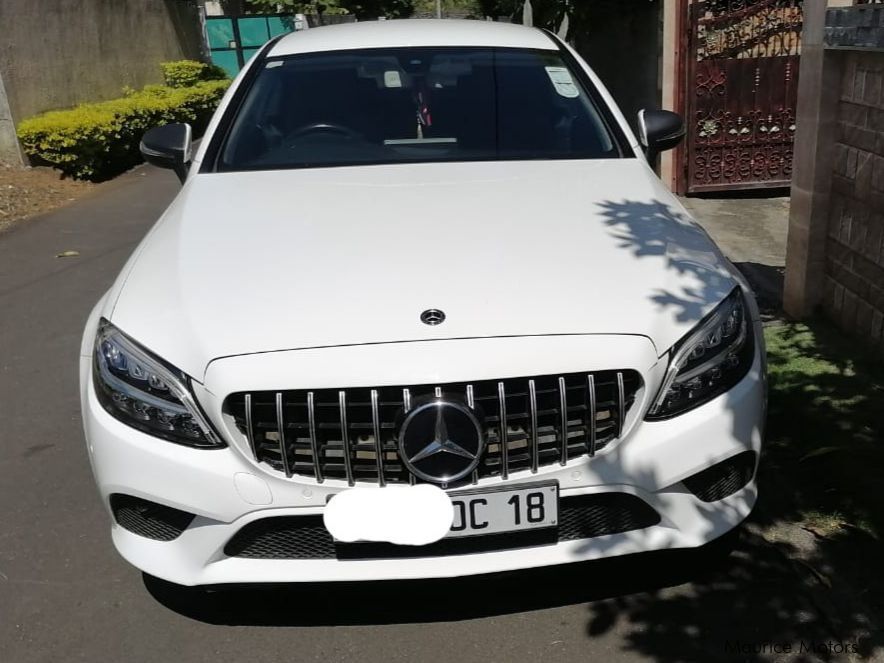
(421, 309)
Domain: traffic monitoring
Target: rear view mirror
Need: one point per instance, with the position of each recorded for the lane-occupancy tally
(168, 146)
(659, 130)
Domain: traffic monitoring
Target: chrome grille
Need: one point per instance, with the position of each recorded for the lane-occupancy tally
(352, 434)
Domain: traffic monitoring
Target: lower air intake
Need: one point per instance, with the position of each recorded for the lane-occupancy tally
(148, 519)
(305, 537)
(725, 478)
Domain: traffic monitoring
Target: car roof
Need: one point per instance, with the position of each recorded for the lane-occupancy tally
(411, 32)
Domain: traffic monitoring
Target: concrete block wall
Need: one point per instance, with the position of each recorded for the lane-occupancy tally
(9, 149)
(854, 285)
(835, 253)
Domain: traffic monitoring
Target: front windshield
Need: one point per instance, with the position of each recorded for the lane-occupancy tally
(414, 105)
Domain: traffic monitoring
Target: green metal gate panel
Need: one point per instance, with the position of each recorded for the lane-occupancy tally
(219, 31)
(279, 25)
(227, 60)
(233, 40)
(253, 31)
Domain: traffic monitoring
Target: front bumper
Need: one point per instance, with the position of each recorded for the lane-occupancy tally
(226, 492)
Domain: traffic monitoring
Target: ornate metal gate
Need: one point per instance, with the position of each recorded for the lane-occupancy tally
(742, 91)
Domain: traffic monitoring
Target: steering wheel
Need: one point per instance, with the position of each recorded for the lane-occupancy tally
(324, 127)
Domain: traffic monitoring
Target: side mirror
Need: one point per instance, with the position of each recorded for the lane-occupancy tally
(168, 146)
(659, 130)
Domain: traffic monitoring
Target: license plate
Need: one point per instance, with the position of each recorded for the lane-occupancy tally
(508, 509)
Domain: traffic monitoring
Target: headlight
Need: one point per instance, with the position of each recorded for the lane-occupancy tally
(145, 392)
(708, 361)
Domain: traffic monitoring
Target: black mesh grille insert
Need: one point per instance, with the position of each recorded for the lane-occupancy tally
(723, 479)
(148, 519)
(586, 516)
(305, 537)
(569, 416)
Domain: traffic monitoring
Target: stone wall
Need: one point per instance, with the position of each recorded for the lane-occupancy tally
(854, 285)
(835, 251)
(9, 149)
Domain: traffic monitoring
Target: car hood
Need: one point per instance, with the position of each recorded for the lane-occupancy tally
(278, 260)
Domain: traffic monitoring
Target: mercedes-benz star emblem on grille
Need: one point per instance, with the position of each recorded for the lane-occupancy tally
(441, 441)
(433, 317)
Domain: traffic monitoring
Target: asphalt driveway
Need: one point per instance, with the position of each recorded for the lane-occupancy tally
(66, 595)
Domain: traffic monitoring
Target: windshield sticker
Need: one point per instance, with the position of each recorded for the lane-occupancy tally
(392, 78)
(562, 81)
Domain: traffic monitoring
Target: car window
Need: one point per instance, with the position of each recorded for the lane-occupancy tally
(414, 105)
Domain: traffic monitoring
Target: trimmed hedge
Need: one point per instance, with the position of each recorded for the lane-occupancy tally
(184, 73)
(100, 140)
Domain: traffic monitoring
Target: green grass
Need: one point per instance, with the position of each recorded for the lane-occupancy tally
(824, 459)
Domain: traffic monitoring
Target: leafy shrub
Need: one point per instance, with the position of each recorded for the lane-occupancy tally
(100, 140)
(184, 73)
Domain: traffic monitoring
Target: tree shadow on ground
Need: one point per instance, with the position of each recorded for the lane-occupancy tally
(824, 459)
(756, 604)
